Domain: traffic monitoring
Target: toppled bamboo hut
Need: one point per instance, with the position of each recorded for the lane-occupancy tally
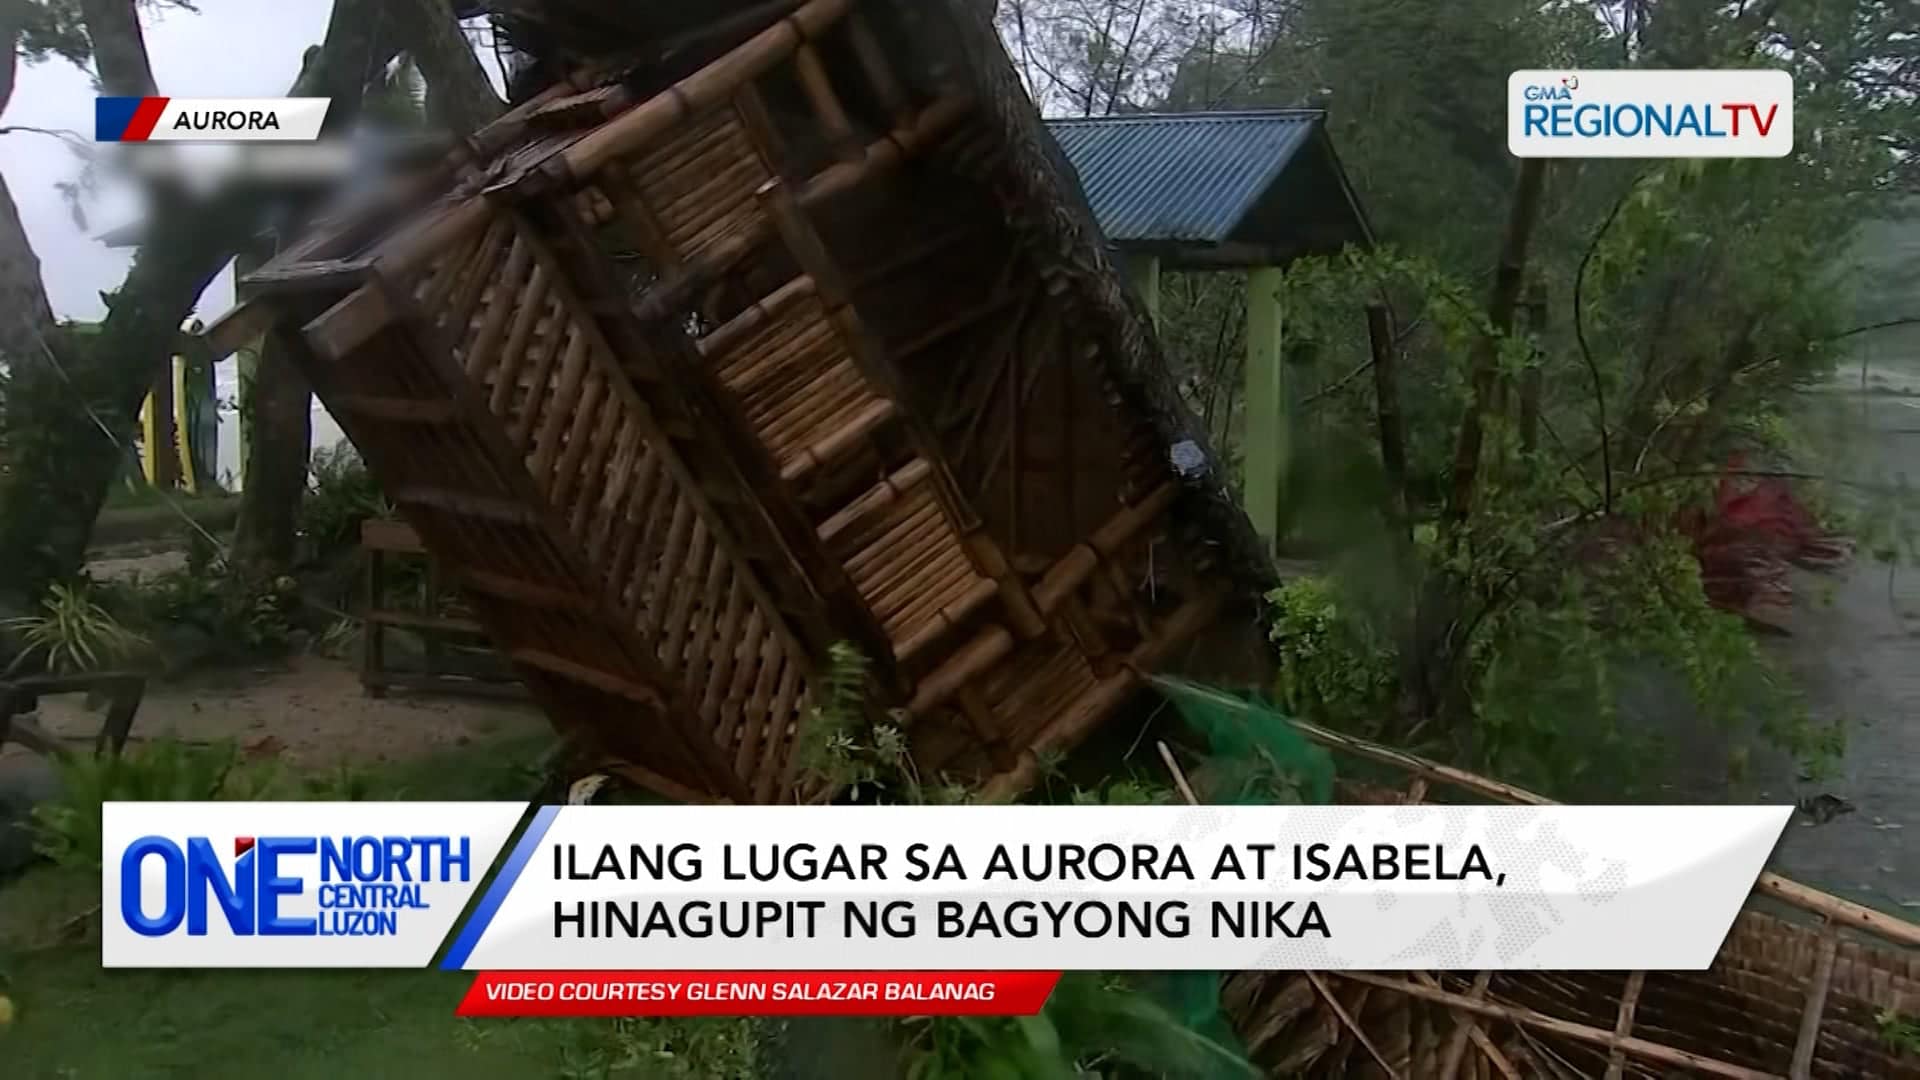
(773, 325)
(782, 330)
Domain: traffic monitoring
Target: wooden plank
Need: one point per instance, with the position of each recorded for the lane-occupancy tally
(239, 327)
(589, 676)
(350, 324)
(531, 594)
(414, 620)
(488, 508)
(396, 410)
(389, 534)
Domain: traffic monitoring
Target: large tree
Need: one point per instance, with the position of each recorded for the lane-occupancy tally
(274, 396)
(63, 390)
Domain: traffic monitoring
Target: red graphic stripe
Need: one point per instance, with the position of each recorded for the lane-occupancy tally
(144, 118)
(758, 993)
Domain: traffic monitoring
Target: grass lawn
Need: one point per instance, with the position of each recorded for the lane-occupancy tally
(75, 1020)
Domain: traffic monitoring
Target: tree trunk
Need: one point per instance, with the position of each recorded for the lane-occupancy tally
(279, 409)
(119, 48)
(59, 468)
(277, 406)
(277, 401)
(459, 96)
(1509, 275)
(26, 319)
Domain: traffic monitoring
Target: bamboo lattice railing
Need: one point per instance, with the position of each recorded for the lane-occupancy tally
(609, 365)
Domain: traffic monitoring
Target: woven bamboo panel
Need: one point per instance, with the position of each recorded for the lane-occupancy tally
(700, 182)
(621, 379)
(531, 404)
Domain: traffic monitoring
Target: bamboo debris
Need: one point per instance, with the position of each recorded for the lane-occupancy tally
(1809, 1040)
(1623, 1026)
(1637, 1047)
(1805, 898)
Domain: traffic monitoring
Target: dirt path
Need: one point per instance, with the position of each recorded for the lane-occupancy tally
(312, 714)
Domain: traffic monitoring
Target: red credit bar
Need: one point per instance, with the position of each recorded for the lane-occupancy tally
(758, 993)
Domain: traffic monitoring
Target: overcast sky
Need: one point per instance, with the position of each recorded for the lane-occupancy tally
(232, 48)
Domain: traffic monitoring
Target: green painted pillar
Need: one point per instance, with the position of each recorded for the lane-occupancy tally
(1266, 402)
(1143, 273)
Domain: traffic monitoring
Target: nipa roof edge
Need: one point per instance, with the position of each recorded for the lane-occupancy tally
(1047, 205)
(1196, 178)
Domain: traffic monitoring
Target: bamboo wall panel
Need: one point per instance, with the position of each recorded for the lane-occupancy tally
(622, 377)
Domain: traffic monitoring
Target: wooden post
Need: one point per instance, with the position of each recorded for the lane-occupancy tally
(1143, 273)
(1266, 416)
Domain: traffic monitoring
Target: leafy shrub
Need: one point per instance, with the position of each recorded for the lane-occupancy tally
(210, 614)
(73, 633)
(1331, 668)
(1089, 1017)
(342, 495)
(668, 1048)
(164, 771)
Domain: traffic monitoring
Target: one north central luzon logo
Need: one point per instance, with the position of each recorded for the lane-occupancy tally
(1555, 110)
(365, 883)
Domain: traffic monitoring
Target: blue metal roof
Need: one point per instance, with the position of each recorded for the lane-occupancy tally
(1181, 176)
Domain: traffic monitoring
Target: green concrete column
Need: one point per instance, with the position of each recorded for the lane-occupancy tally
(1143, 273)
(1266, 426)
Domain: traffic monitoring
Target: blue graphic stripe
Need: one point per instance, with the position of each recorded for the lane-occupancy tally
(456, 958)
(111, 115)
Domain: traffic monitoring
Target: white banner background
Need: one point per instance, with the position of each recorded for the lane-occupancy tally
(194, 120)
(1587, 888)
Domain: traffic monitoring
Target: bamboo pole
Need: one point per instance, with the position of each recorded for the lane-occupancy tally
(1809, 1041)
(1791, 892)
(1179, 778)
(873, 61)
(1640, 1048)
(1623, 1026)
(703, 89)
(1093, 706)
(1471, 1029)
(1348, 1022)
(827, 108)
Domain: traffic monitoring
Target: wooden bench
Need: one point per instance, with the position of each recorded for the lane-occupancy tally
(20, 696)
(440, 632)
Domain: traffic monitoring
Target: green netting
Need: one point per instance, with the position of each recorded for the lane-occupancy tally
(1254, 756)
(1254, 753)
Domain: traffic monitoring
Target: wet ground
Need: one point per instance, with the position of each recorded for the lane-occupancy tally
(1855, 650)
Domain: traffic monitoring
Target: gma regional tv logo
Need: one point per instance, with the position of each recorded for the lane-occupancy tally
(164, 119)
(291, 884)
(1650, 114)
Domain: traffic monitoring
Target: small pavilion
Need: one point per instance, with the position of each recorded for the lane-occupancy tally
(1242, 191)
